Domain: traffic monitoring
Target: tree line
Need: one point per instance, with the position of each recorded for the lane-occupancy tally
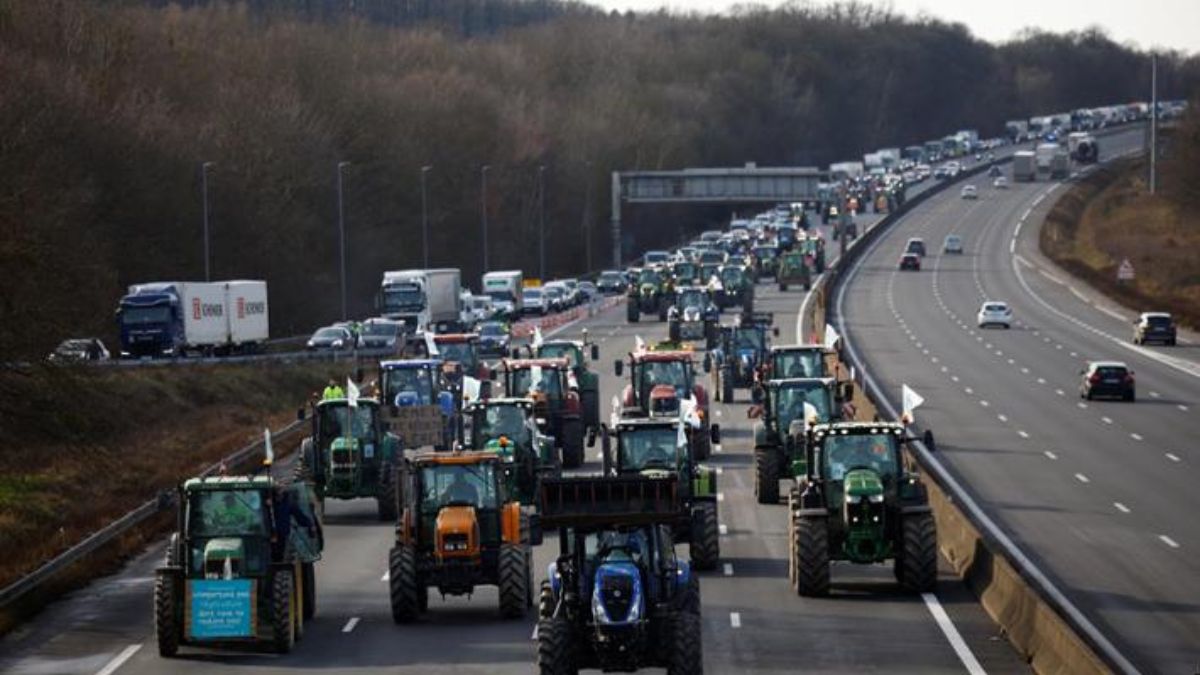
(110, 108)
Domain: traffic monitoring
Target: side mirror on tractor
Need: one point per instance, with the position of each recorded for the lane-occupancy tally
(707, 363)
(927, 439)
(847, 391)
(618, 367)
(775, 331)
(714, 433)
(300, 414)
(595, 352)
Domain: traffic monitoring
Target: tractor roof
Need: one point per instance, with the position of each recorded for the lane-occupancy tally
(800, 382)
(403, 364)
(548, 362)
(219, 483)
(503, 401)
(657, 355)
(812, 346)
(578, 344)
(341, 402)
(858, 428)
(451, 338)
(647, 422)
(460, 458)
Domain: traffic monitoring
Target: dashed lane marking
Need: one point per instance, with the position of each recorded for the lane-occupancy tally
(386, 576)
(1082, 478)
(723, 529)
(956, 641)
(1106, 420)
(1082, 405)
(984, 403)
(349, 627)
(1121, 507)
(1022, 434)
(735, 619)
(1049, 454)
(1173, 457)
(119, 660)
(1168, 541)
(728, 569)
(1136, 437)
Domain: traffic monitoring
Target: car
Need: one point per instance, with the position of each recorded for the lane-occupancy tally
(589, 291)
(952, 244)
(915, 245)
(331, 338)
(611, 282)
(557, 296)
(379, 333)
(1107, 378)
(534, 301)
(910, 261)
(969, 191)
(1001, 183)
(79, 349)
(995, 172)
(994, 313)
(1154, 327)
(494, 338)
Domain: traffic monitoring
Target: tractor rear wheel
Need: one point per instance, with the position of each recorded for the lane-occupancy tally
(727, 385)
(546, 602)
(555, 653)
(917, 562)
(689, 600)
(632, 314)
(706, 543)
(687, 652)
(673, 331)
(766, 476)
(302, 472)
(572, 444)
(810, 556)
(166, 622)
(309, 585)
(403, 584)
(283, 624)
(386, 501)
(512, 571)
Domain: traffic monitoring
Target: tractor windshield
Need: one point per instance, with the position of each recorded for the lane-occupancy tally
(226, 513)
(873, 451)
(414, 383)
(749, 338)
(652, 448)
(731, 275)
(495, 421)
(807, 363)
(616, 546)
(562, 350)
(693, 297)
(685, 271)
(648, 277)
(458, 352)
(343, 420)
(458, 484)
(789, 403)
(677, 374)
(548, 383)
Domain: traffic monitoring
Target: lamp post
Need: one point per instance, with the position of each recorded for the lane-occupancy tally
(204, 198)
(483, 173)
(342, 235)
(542, 222)
(425, 214)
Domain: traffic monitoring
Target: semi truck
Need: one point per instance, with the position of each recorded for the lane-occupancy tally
(1052, 159)
(1016, 130)
(173, 318)
(1024, 166)
(422, 299)
(504, 288)
(1082, 147)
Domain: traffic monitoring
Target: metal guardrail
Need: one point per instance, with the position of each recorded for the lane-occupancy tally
(833, 284)
(162, 502)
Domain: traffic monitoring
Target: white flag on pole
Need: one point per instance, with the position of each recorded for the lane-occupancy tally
(537, 337)
(911, 400)
(351, 393)
(269, 452)
(615, 418)
(831, 337)
(639, 345)
(430, 346)
(811, 415)
(470, 389)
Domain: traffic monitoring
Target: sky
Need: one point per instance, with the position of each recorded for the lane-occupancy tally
(1170, 24)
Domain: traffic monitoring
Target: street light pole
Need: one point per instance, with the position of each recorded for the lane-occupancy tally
(483, 172)
(587, 216)
(542, 223)
(204, 198)
(342, 235)
(425, 215)
(1153, 123)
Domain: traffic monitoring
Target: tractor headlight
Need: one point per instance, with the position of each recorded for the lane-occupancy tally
(853, 499)
(455, 543)
(876, 499)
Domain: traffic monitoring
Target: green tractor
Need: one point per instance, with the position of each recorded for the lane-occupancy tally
(650, 294)
(793, 270)
(779, 436)
(766, 260)
(792, 361)
(813, 248)
(240, 567)
(737, 287)
(350, 454)
(655, 447)
(587, 381)
(508, 427)
(857, 501)
(547, 383)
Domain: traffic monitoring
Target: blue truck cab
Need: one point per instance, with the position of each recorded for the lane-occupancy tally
(150, 321)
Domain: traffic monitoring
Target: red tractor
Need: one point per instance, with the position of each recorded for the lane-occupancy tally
(550, 383)
(650, 368)
(462, 348)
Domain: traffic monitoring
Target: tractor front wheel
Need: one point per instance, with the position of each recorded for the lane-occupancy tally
(706, 543)
(632, 313)
(166, 622)
(673, 331)
(809, 556)
(727, 385)
(283, 624)
(766, 476)
(513, 572)
(687, 651)
(403, 584)
(555, 652)
(309, 586)
(917, 562)
(546, 602)
(386, 501)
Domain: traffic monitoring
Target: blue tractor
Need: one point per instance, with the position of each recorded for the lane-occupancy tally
(423, 397)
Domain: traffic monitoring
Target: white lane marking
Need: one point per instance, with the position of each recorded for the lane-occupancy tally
(717, 447)
(1115, 315)
(718, 413)
(119, 660)
(735, 619)
(350, 625)
(720, 496)
(1059, 392)
(1182, 407)
(728, 569)
(1002, 418)
(984, 403)
(960, 646)
(1136, 437)
(1024, 370)
(1106, 420)
(1022, 434)
(1082, 405)
(1074, 355)
(1121, 507)
(723, 529)
(954, 378)
(1082, 478)
(1049, 454)
(1168, 541)
(969, 391)
(1012, 245)
(1154, 394)
(386, 576)
(1173, 457)
(1041, 380)
(535, 632)
(719, 469)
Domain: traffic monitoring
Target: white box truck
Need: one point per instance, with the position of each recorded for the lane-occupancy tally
(504, 288)
(1024, 166)
(248, 313)
(422, 299)
(172, 318)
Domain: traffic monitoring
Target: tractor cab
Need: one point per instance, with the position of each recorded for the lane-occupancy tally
(737, 288)
(787, 410)
(741, 352)
(793, 361)
(694, 316)
(674, 369)
(508, 427)
(586, 380)
(553, 390)
(461, 348)
(685, 272)
(423, 400)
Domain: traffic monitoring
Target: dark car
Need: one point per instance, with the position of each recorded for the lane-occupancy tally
(335, 338)
(80, 349)
(1107, 378)
(381, 334)
(915, 245)
(1154, 327)
(494, 337)
(910, 261)
(611, 282)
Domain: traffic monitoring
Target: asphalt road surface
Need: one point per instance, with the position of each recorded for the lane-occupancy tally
(752, 622)
(1102, 494)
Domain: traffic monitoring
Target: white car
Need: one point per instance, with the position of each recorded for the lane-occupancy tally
(993, 313)
(969, 192)
(1001, 183)
(952, 244)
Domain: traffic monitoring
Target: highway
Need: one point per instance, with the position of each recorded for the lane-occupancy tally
(1100, 494)
(752, 622)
